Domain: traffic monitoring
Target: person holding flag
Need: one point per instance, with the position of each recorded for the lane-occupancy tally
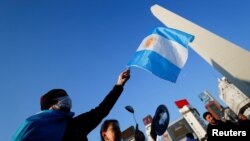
(55, 122)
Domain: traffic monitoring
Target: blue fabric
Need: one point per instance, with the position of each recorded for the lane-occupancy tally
(161, 63)
(174, 35)
(47, 125)
(156, 64)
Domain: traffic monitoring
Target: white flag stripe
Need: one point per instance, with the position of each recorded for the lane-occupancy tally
(171, 50)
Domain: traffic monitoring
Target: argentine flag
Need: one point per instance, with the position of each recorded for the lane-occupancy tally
(164, 53)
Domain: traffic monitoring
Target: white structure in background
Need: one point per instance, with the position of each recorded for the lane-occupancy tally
(233, 97)
(164, 137)
(147, 122)
(229, 59)
(192, 117)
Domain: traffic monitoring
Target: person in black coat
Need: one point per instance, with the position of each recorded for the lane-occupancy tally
(244, 124)
(218, 129)
(55, 122)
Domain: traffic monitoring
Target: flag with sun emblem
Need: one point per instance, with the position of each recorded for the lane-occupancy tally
(164, 53)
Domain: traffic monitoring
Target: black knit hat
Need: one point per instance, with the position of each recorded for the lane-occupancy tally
(49, 99)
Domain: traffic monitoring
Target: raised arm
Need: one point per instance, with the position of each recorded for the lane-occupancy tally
(86, 122)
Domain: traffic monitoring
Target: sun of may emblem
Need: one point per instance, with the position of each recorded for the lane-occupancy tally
(150, 41)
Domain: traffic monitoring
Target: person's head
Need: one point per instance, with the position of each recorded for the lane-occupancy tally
(110, 130)
(56, 99)
(209, 118)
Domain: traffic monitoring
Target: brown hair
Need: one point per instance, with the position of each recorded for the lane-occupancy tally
(116, 128)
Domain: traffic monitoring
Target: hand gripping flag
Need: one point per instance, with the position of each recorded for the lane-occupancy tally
(164, 53)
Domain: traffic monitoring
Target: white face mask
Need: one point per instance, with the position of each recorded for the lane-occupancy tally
(63, 103)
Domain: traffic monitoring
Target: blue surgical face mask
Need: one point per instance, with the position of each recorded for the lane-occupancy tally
(63, 103)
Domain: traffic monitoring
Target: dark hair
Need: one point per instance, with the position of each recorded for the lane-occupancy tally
(49, 99)
(205, 114)
(116, 128)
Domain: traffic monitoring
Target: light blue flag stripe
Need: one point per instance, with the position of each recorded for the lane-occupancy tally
(156, 64)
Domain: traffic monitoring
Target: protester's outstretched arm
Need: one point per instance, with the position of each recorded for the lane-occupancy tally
(123, 78)
(89, 120)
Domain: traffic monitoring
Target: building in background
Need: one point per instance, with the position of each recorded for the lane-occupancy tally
(178, 129)
(215, 109)
(212, 105)
(192, 116)
(205, 97)
(147, 122)
(233, 97)
(230, 115)
(128, 134)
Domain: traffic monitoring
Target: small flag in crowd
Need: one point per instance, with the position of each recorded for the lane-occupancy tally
(164, 53)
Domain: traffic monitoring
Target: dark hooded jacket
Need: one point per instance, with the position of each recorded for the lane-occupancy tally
(80, 126)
